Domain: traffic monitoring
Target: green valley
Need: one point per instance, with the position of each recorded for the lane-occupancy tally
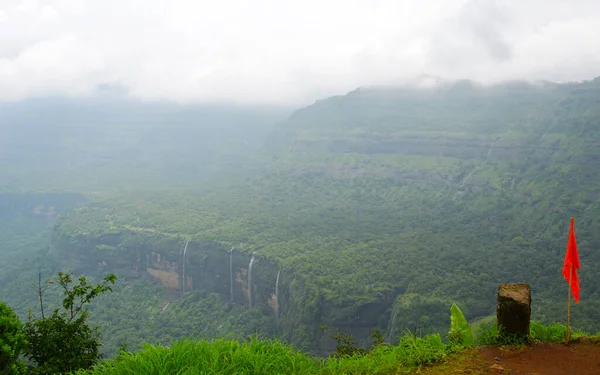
(377, 209)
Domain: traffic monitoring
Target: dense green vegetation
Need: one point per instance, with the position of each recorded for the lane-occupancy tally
(63, 341)
(274, 357)
(270, 357)
(139, 312)
(12, 342)
(380, 208)
(53, 343)
(52, 349)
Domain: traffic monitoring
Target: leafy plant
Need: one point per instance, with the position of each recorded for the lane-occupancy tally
(64, 342)
(460, 332)
(12, 341)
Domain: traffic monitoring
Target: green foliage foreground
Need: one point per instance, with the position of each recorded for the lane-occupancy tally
(221, 356)
(12, 341)
(63, 341)
(256, 356)
(270, 357)
(553, 333)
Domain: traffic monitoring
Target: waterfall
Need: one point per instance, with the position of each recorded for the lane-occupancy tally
(469, 176)
(277, 299)
(491, 147)
(181, 259)
(231, 274)
(392, 324)
(250, 280)
(183, 267)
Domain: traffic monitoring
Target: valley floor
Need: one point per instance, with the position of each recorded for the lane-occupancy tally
(581, 358)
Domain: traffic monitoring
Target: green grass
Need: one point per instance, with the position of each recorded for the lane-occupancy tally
(255, 356)
(260, 356)
(552, 333)
(411, 352)
(487, 334)
(212, 357)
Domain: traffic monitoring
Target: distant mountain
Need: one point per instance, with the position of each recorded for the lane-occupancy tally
(100, 144)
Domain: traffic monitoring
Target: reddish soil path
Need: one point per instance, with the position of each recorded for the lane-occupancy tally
(582, 358)
(546, 359)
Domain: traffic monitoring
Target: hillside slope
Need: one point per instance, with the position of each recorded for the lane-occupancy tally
(376, 209)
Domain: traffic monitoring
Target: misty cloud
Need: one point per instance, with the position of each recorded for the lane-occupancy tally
(475, 33)
(267, 51)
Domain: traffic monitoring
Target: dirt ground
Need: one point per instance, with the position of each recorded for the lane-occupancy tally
(540, 359)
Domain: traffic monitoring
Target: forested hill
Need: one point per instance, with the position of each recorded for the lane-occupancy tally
(472, 174)
(446, 192)
(378, 209)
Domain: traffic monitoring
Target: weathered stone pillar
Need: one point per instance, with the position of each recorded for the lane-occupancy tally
(514, 308)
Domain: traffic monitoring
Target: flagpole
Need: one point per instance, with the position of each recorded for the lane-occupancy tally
(568, 333)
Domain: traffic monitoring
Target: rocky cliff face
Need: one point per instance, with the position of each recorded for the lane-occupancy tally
(296, 307)
(205, 265)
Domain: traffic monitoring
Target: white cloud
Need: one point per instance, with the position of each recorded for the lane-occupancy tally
(268, 51)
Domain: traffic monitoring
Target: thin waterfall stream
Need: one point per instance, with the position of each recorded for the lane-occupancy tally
(277, 298)
(250, 280)
(183, 267)
(231, 274)
(392, 324)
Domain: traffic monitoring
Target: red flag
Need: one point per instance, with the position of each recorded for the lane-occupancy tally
(571, 264)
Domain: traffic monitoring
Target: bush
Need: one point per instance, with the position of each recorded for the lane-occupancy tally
(63, 342)
(12, 341)
(58, 346)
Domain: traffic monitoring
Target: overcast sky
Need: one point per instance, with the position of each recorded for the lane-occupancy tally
(281, 51)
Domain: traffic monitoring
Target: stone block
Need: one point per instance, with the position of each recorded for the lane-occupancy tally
(513, 310)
